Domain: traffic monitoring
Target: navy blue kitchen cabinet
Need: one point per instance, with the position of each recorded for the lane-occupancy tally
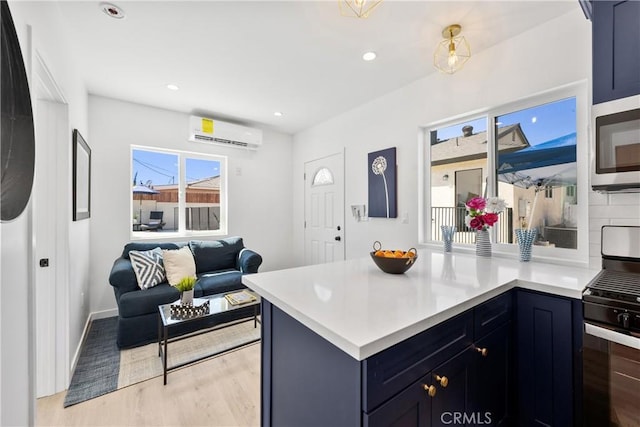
(548, 342)
(616, 49)
(494, 377)
(512, 360)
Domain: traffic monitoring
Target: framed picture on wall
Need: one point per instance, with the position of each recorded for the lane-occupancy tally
(382, 183)
(81, 177)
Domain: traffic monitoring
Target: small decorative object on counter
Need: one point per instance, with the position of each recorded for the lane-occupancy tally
(483, 243)
(447, 236)
(525, 241)
(481, 214)
(393, 261)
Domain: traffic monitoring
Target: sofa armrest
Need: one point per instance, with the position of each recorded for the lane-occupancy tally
(248, 261)
(123, 277)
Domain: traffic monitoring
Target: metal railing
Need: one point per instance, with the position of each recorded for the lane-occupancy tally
(455, 216)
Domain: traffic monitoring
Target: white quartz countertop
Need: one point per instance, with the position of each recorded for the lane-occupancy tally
(362, 310)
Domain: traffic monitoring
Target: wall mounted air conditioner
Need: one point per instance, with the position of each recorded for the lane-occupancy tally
(212, 131)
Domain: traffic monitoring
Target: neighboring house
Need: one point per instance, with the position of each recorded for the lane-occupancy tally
(459, 171)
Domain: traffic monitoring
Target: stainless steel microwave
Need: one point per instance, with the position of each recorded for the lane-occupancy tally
(615, 154)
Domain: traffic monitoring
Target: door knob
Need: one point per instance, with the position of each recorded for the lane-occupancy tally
(338, 238)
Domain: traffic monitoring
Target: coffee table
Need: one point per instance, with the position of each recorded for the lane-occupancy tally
(218, 305)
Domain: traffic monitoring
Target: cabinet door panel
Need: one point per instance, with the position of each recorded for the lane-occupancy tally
(494, 376)
(452, 403)
(544, 355)
(410, 408)
(616, 50)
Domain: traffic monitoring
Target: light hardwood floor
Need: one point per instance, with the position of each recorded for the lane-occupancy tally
(224, 391)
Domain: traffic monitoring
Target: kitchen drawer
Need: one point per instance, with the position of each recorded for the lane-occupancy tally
(492, 314)
(388, 372)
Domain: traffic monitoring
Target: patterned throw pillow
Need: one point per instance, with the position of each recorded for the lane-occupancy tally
(148, 267)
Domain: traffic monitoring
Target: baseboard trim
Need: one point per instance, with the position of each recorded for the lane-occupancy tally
(94, 315)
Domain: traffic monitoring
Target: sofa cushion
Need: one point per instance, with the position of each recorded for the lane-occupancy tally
(178, 264)
(145, 246)
(146, 302)
(218, 282)
(216, 255)
(148, 267)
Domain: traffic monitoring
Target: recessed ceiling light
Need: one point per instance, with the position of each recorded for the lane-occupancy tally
(369, 56)
(112, 10)
(278, 114)
(172, 87)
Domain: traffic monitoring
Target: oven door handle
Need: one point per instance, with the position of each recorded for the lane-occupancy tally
(610, 335)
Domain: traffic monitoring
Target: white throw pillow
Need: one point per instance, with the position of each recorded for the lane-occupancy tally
(178, 264)
(148, 267)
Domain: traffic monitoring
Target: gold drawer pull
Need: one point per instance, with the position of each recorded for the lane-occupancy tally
(483, 351)
(444, 381)
(430, 389)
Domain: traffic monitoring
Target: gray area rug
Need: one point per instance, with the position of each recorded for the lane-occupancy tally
(98, 366)
(102, 368)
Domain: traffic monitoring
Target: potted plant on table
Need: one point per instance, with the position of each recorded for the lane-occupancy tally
(185, 287)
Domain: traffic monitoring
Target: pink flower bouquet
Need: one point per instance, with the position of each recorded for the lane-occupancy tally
(483, 213)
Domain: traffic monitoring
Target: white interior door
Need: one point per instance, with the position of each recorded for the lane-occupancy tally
(50, 233)
(324, 210)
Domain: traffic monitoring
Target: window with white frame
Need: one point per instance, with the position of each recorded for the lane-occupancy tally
(177, 192)
(524, 153)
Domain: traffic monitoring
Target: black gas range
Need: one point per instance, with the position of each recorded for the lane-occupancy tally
(611, 339)
(612, 298)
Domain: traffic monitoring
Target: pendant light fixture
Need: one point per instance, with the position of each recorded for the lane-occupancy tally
(357, 8)
(452, 52)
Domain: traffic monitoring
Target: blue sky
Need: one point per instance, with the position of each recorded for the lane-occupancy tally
(162, 168)
(539, 124)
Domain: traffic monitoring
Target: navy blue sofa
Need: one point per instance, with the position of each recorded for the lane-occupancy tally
(220, 265)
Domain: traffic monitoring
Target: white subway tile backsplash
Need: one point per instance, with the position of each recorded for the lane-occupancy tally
(598, 198)
(626, 221)
(595, 224)
(595, 262)
(609, 209)
(624, 199)
(614, 211)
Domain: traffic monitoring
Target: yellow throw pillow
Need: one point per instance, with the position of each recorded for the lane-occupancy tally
(178, 263)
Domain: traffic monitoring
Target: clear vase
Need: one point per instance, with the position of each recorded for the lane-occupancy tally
(447, 236)
(483, 243)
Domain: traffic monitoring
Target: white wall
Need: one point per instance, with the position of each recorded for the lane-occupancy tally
(40, 28)
(259, 200)
(519, 67)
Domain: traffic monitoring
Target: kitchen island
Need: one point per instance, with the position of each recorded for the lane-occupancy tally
(331, 332)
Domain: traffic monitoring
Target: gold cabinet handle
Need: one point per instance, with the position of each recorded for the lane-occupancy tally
(444, 381)
(483, 351)
(430, 389)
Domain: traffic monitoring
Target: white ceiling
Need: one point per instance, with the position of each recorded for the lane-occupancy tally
(242, 61)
